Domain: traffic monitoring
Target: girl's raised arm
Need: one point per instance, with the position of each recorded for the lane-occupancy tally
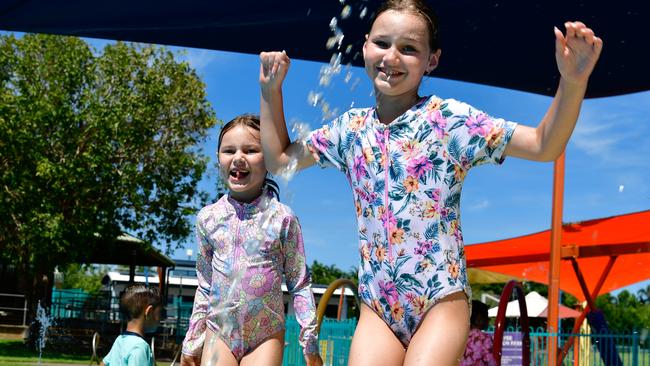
(279, 152)
(576, 55)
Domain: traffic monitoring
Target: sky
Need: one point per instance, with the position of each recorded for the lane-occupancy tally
(607, 158)
(607, 165)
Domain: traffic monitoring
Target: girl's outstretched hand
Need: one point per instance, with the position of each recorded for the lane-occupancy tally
(576, 52)
(313, 359)
(273, 69)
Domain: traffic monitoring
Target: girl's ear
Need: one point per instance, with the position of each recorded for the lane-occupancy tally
(364, 47)
(147, 311)
(434, 58)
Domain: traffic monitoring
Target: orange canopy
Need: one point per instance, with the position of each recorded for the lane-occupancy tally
(623, 239)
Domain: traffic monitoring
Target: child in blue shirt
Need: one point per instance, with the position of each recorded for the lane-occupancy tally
(141, 305)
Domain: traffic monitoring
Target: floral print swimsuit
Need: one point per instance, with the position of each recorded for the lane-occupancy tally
(406, 179)
(244, 249)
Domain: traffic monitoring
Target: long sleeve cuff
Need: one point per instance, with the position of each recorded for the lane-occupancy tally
(311, 346)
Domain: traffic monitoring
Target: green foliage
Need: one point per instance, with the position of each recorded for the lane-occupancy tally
(85, 277)
(94, 144)
(324, 275)
(625, 312)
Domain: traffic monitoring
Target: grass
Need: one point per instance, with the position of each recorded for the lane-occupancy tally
(17, 353)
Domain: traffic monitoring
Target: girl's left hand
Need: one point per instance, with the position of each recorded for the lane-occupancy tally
(313, 359)
(577, 52)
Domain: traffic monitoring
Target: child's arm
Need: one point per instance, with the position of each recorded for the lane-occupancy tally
(299, 285)
(195, 337)
(576, 55)
(279, 152)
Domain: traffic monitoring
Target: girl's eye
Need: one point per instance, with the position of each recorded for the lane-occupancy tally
(408, 49)
(381, 44)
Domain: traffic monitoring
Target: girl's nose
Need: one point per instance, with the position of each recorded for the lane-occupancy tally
(391, 56)
(238, 160)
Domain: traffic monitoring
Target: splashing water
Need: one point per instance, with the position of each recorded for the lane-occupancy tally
(345, 13)
(330, 70)
(363, 12)
(314, 98)
(301, 130)
(45, 322)
(288, 172)
(337, 38)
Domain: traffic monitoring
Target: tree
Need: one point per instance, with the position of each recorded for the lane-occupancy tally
(324, 275)
(86, 277)
(93, 144)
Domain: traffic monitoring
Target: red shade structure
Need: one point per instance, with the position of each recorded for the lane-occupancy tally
(596, 256)
(590, 244)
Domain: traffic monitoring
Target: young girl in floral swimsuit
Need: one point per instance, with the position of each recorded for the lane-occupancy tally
(406, 159)
(247, 242)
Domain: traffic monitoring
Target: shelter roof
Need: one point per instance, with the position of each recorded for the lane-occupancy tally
(128, 250)
(591, 243)
(500, 43)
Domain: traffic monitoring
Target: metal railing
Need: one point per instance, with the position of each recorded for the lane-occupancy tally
(13, 308)
(632, 348)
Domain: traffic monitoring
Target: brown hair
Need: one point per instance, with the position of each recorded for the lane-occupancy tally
(252, 121)
(419, 8)
(136, 298)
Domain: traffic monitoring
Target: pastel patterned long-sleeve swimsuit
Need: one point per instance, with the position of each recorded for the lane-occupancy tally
(406, 179)
(243, 251)
(478, 350)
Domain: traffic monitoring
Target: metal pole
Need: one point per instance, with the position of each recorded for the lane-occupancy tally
(635, 348)
(25, 312)
(555, 258)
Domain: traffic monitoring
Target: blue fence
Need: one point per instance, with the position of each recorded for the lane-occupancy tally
(591, 349)
(335, 339)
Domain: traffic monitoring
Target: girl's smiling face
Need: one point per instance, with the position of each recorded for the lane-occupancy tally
(242, 163)
(397, 53)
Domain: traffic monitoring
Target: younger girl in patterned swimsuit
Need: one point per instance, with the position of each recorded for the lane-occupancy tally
(247, 242)
(406, 160)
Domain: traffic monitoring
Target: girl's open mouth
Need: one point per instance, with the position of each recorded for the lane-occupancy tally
(239, 174)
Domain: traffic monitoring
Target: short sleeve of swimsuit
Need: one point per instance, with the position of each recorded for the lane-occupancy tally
(475, 138)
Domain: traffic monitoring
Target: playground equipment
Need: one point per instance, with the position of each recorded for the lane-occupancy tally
(95, 343)
(322, 304)
(500, 322)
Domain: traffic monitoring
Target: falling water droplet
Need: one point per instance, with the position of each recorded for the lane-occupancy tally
(363, 12)
(346, 12)
(333, 24)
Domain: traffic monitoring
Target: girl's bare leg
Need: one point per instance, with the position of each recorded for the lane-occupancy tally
(441, 337)
(269, 353)
(374, 343)
(216, 352)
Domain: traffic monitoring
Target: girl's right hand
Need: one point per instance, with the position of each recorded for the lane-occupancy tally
(313, 359)
(190, 360)
(273, 69)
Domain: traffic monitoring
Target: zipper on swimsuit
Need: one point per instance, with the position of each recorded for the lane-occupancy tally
(386, 205)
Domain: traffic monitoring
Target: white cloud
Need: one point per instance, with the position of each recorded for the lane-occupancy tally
(478, 206)
(615, 131)
(200, 59)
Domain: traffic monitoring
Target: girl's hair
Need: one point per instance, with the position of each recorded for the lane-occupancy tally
(419, 8)
(136, 298)
(252, 121)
